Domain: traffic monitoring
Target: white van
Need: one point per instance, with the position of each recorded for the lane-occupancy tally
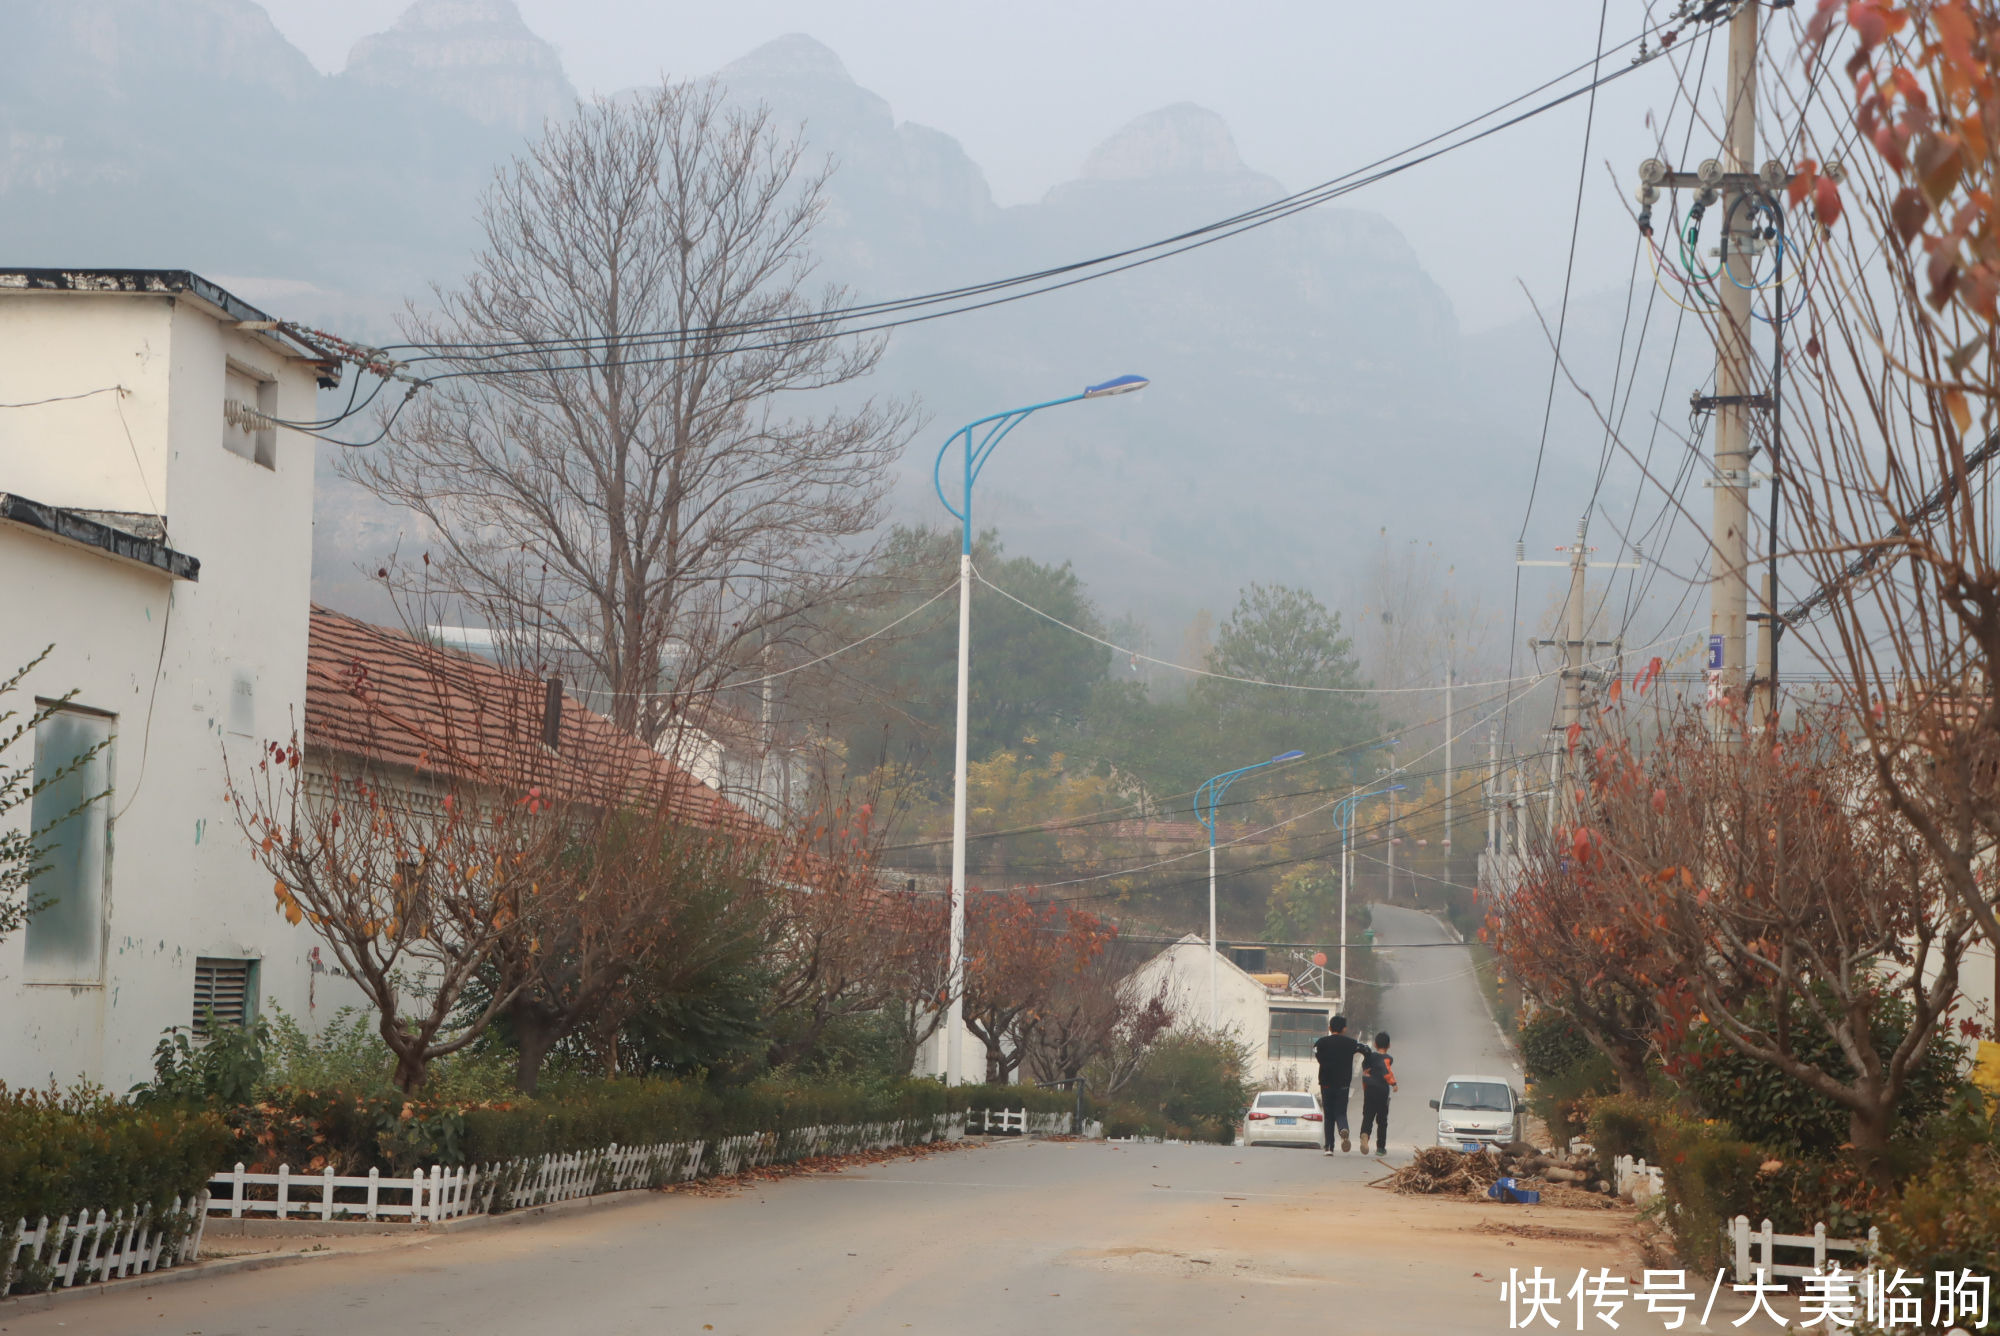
(1478, 1111)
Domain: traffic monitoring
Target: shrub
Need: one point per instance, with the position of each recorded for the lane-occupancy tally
(67, 1151)
(1192, 1084)
(1711, 1176)
(1566, 1071)
(1948, 1219)
(1553, 1046)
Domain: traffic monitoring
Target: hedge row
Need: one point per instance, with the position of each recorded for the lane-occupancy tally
(61, 1153)
(64, 1152)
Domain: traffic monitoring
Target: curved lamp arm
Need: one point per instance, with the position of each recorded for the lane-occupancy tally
(975, 454)
(1209, 796)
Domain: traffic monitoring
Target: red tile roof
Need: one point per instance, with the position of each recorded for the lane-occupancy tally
(385, 697)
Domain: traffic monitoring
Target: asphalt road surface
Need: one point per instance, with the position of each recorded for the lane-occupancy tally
(1003, 1239)
(1438, 1023)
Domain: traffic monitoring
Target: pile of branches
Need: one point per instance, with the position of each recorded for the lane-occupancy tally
(1441, 1171)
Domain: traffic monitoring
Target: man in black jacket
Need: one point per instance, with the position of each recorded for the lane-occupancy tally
(1336, 1053)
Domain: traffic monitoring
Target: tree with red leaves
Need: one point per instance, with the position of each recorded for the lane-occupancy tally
(1019, 952)
(1789, 904)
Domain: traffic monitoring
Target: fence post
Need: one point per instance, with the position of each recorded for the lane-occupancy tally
(236, 1192)
(326, 1194)
(1819, 1248)
(1739, 1228)
(284, 1190)
(1770, 1250)
(417, 1196)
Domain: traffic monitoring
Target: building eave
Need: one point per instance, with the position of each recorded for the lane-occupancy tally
(221, 304)
(74, 526)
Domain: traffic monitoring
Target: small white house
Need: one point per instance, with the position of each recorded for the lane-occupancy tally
(1262, 1011)
(155, 537)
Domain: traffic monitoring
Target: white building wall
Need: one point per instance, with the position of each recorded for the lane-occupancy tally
(189, 669)
(1243, 1007)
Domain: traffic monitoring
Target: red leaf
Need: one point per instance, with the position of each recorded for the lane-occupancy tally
(1826, 202)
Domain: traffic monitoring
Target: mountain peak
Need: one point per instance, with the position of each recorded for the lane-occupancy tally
(1180, 140)
(476, 55)
(796, 55)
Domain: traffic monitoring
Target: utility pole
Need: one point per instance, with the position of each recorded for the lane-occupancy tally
(1743, 192)
(1493, 809)
(1729, 531)
(1450, 776)
(1390, 894)
(1575, 653)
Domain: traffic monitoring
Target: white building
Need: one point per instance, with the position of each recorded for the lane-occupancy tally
(158, 536)
(1260, 1010)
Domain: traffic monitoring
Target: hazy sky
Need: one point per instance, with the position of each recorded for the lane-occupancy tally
(1310, 89)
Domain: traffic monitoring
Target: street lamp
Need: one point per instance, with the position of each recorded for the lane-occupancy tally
(1206, 799)
(976, 453)
(1345, 809)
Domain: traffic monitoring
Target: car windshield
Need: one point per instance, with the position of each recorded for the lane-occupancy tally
(1484, 1096)
(1284, 1101)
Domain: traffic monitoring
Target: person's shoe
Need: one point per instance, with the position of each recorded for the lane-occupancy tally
(1345, 1144)
(1327, 1151)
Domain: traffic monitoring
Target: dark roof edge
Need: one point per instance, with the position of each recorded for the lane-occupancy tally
(160, 282)
(58, 522)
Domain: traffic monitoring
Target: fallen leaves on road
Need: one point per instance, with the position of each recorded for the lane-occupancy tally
(730, 1184)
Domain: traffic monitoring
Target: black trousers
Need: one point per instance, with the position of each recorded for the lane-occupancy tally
(1334, 1100)
(1375, 1110)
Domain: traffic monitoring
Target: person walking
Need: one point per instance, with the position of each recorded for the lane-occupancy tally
(1378, 1078)
(1336, 1051)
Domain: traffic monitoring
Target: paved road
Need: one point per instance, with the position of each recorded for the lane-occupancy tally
(1003, 1239)
(1024, 1237)
(1438, 1023)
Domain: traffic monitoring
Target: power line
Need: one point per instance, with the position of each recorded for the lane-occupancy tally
(817, 325)
(1562, 320)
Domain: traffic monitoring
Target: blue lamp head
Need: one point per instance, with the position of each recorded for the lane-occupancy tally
(1288, 756)
(1116, 385)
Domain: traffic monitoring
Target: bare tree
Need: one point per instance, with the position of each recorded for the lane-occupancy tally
(1893, 413)
(654, 508)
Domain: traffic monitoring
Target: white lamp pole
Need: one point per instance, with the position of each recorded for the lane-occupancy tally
(974, 459)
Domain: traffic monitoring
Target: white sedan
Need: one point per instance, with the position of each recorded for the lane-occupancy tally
(1284, 1118)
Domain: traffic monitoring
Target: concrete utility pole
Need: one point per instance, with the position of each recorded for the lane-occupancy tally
(1390, 894)
(1729, 531)
(1450, 775)
(1575, 652)
(1743, 192)
(1492, 798)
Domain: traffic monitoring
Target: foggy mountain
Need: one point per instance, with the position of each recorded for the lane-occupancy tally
(1311, 384)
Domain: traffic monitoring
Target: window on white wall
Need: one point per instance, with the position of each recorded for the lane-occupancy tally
(1293, 1032)
(65, 937)
(249, 402)
(225, 991)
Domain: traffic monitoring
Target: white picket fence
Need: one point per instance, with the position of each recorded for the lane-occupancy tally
(1021, 1123)
(74, 1252)
(1758, 1251)
(448, 1193)
(1636, 1179)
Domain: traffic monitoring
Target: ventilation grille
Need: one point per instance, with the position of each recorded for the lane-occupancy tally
(221, 987)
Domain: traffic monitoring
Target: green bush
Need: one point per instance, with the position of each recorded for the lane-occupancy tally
(1192, 1084)
(1566, 1072)
(1553, 1046)
(1781, 1112)
(67, 1151)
